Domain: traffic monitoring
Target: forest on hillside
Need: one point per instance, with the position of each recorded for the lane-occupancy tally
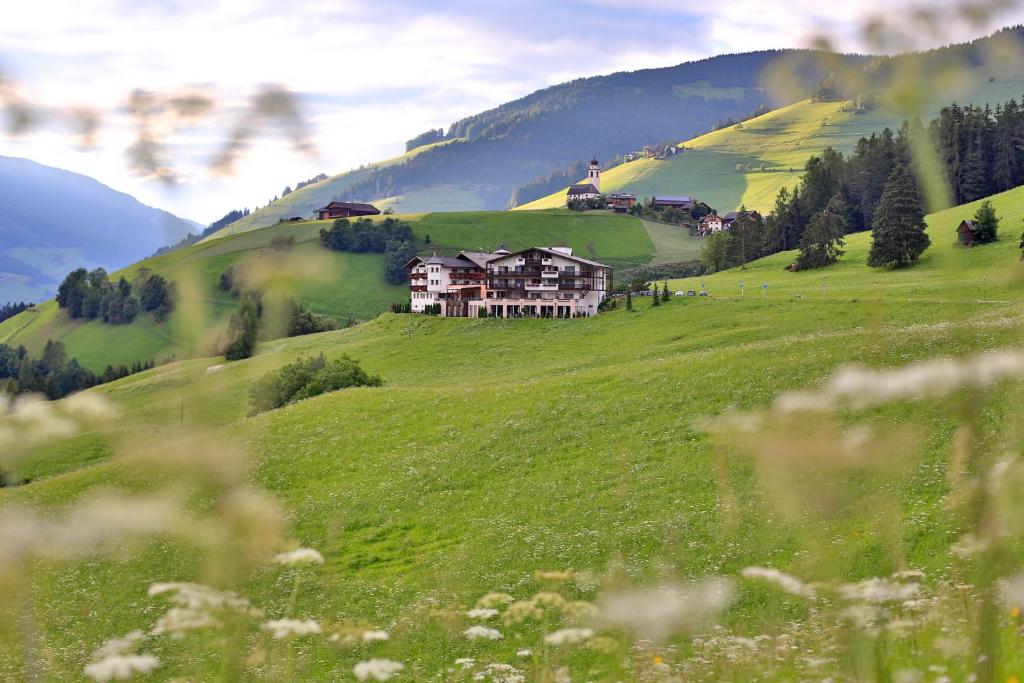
(545, 132)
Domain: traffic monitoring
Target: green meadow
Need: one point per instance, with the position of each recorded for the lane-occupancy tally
(335, 284)
(499, 447)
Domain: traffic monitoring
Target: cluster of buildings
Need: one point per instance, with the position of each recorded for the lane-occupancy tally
(539, 282)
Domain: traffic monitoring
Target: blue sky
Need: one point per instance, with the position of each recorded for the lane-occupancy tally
(369, 73)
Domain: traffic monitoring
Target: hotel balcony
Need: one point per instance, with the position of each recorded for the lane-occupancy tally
(550, 273)
(417, 276)
(418, 288)
(536, 286)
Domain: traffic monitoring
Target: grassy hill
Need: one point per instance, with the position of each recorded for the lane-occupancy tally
(499, 447)
(335, 284)
(749, 163)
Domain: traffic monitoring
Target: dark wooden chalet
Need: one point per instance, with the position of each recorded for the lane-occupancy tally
(345, 210)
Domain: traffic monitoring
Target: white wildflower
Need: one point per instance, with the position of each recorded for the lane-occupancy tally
(374, 635)
(495, 600)
(196, 596)
(858, 387)
(283, 628)
(569, 636)
(482, 613)
(465, 662)
(787, 583)
(656, 613)
(500, 673)
(298, 557)
(177, 620)
(118, 646)
(89, 406)
(377, 669)
(482, 633)
(525, 652)
(879, 591)
(120, 666)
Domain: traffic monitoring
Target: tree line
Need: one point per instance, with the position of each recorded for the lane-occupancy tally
(90, 295)
(11, 309)
(53, 374)
(391, 237)
(193, 237)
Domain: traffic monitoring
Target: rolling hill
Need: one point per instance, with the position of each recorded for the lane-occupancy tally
(749, 163)
(335, 284)
(483, 158)
(500, 447)
(52, 221)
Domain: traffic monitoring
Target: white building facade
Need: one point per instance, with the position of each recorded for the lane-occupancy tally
(540, 282)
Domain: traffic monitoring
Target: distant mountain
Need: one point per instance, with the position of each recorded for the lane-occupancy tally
(52, 221)
(480, 160)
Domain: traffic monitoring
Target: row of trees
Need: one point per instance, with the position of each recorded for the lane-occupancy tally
(53, 374)
(981, 149)
(392, 237)
(11, 309)
(90, 295)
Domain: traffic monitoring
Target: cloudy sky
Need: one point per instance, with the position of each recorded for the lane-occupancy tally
(367, 74)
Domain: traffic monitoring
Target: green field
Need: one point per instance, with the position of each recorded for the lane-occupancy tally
(334, 284)
(749, 163)
(500, 447)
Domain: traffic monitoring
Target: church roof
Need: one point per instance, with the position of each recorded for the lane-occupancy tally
(584, 188)
(593, 162)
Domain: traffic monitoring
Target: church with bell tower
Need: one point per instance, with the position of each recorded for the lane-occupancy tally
(591, 189)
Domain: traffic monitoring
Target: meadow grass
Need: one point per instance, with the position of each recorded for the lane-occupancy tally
(341, 286)
(499, 447)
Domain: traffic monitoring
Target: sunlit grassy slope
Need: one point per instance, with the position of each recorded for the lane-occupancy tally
(497, 447)
(303, 202)
(347, 285)
(749, 163)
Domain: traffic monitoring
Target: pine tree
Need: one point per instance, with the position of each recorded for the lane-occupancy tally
(629, 300)
(898, 235)
(654, 295)
(664, 292)
(986, 224)
(822, 242)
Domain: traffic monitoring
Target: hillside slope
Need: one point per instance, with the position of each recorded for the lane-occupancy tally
(52, 221)
(484, 157)
(500, 447)
(335, 284)
(749, 163)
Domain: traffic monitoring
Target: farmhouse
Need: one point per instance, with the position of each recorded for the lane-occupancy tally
(345, 210)
(540, 282)
(673, 202)
(965, 233)
(620, 202)
(727, 219)
(710, 224)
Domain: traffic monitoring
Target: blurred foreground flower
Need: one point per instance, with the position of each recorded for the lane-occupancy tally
(660, 612)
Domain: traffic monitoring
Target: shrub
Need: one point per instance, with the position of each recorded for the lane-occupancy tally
(305, 378)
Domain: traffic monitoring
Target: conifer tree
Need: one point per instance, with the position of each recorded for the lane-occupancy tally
(898, 235)
(986, 224)
(629, 300)
(822, 242)
(664, 292)
(654, 295)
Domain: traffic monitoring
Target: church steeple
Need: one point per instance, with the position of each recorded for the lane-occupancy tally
(594, 174)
